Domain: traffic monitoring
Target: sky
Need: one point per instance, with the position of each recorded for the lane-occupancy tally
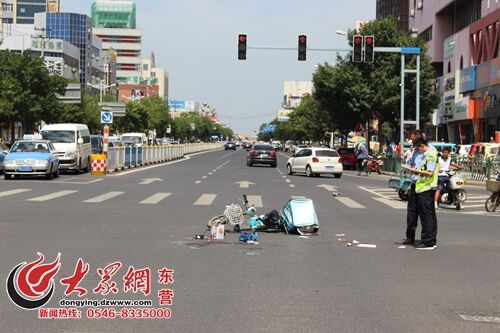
(196, 42)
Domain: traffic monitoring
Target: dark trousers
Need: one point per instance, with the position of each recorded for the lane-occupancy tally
(427, 212)
(421, 205)
(411, 214)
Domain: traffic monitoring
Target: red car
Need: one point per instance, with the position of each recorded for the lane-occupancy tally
(347, 158)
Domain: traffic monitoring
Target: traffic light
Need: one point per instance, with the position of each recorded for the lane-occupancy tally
(357, 53)
(242, 47)
(369, 45)
(302, 47)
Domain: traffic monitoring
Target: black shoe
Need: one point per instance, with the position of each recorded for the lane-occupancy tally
(425, 246)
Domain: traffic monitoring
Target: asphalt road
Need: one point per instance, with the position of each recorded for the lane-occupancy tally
(148, 217)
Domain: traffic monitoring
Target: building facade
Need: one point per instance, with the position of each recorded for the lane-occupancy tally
(294, 91)
(115, 23)
(463, 39)
(77, 29)
(26, 10)
(394, 8)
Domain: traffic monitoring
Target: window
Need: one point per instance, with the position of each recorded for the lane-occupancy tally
(449, 67)
(462, 62)
(145, 67)
(22, 10)
(326, 153)
(307, 152)
(427, 34)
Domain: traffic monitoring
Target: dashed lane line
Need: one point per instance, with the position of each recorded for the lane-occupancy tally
(205, 200)
(155, 199)
(52, 196)
(13, 192)
(104, 197)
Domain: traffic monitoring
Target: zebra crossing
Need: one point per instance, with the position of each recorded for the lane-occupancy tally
(474, 204)
(384, 196)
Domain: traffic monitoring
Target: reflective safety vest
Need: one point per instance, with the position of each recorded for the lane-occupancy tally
(425, 183)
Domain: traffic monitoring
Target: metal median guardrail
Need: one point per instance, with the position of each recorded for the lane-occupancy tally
(121, 158)
(477, 169)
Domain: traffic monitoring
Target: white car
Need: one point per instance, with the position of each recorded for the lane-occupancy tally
(315, 162)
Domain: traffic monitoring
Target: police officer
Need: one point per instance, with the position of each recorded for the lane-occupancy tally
(426, 171)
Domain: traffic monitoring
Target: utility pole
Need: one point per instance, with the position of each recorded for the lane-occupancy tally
(43, 37)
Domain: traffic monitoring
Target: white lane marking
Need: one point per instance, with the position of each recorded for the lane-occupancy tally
(204, 177)
(373, 192)
(283, 176)
(119, 174)
(198, 182)
(291, 185)
(479, 197)
(297, 197)
(104, 197)
(51, 196)
(205, 200)
(214, 170)
(13, 192)
(226, 155)
(483, 319)
(472, 206)
(369, 246)
(210, 173)
(288, 180)
(391, 203)
(156, 198)
(349, 202)
(77, 183)
(255, 200)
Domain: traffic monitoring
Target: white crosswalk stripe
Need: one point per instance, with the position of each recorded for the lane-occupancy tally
(205, 200)
(155, 199)
(51, 196)
(392, 203)
(13, 192)
(104, 197)
(349, 202)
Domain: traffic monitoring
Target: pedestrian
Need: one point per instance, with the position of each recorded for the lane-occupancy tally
(409, 153)
(445, 164)
(426, 170)
(361, 155)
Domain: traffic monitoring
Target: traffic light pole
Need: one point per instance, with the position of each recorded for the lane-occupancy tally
(401, 50)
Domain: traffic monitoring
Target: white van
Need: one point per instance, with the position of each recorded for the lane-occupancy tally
(72, 142)
(138, 139)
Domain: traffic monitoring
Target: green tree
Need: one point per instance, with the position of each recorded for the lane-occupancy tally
(28, 93)
(354, 93)
(88, 112)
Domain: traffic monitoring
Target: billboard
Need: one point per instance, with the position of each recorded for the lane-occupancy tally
(468, 79)
(177, 105)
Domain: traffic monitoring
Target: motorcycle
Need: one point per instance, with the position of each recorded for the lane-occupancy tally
(454, 193)
(375, 164)
(494, 200)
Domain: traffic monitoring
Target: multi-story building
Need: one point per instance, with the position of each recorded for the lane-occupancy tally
(294, 91)
(395, 8)
(26, 10)
(115, 23)
(77, 30)
(462, 39)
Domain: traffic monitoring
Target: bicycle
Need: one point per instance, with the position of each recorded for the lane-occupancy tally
(235, 215)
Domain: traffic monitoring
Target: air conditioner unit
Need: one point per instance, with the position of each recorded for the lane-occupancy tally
(420, 5)
(414, 30)
(412, 13)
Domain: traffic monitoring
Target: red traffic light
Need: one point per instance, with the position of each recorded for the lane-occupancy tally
(358, 40)
(242, 38)
(369, 40)
(302, 39)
